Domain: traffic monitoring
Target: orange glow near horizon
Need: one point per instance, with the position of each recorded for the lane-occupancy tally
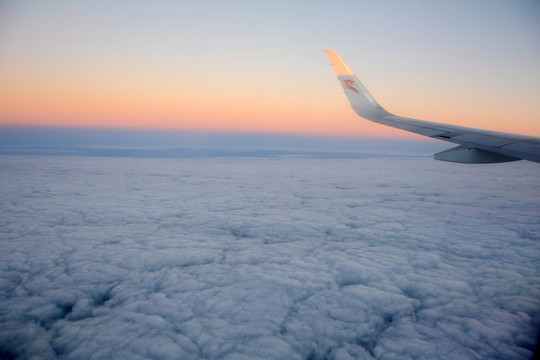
(313, 118)
(239, 105)
(174, 108)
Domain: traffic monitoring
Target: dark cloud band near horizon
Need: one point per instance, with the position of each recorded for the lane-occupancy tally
(249, 258)
(51, 138)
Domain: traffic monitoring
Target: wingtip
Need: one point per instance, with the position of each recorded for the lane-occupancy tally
(337, 62)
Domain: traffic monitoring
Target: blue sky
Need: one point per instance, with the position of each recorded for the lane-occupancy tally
(254, 66)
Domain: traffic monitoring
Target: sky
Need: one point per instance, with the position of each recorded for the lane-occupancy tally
(285, 257)
(260, 67)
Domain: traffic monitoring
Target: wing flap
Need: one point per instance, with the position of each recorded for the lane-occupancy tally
(485, 140)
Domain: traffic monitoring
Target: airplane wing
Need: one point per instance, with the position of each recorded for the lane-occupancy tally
(475, 146)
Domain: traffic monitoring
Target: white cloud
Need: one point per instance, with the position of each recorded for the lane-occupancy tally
(267, 258)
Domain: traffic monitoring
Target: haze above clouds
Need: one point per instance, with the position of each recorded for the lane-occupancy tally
(295, 258)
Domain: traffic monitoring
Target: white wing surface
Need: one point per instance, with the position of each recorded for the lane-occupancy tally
(475, 145)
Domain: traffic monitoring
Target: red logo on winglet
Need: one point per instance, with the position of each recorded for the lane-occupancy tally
(349, 84)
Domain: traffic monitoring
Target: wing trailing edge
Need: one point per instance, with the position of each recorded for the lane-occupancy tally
(476, 146)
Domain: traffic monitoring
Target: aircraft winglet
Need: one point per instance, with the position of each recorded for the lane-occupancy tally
(361, 100)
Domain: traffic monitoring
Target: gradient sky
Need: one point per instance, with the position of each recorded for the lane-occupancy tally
(258, 66)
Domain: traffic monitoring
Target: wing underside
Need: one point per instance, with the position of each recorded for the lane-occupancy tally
(474, 145)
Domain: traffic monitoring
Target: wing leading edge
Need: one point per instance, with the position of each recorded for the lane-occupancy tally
(475, 146)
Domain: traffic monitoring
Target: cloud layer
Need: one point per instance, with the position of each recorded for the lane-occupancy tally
(268, 258)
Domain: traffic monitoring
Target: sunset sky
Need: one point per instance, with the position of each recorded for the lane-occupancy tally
(260, 66)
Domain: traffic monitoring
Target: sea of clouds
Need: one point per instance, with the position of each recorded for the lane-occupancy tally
(280, 258)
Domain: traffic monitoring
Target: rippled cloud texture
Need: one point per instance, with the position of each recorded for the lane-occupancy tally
(285, 258)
